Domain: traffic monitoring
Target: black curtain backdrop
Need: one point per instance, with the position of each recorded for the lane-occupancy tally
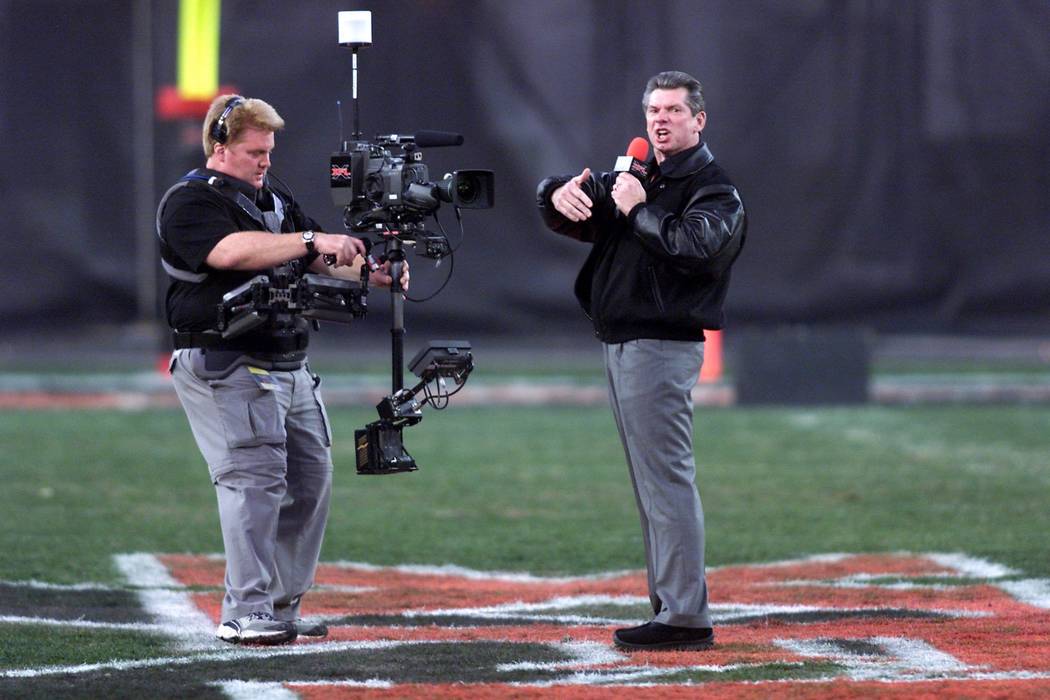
(893, 155)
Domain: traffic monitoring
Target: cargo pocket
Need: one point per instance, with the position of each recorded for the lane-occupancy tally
(250, 417)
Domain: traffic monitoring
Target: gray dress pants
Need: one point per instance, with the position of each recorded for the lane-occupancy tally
(650, 384)
(267, 442)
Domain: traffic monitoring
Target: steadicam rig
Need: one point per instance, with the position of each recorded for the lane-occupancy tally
(262, 299)
(384, 189)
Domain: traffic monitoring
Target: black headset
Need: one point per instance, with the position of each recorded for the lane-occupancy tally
(218, 130)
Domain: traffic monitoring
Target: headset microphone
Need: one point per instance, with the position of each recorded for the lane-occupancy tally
(219, 131)
(635, 160)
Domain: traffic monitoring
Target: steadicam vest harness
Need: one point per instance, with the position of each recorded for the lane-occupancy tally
(285, 351)
(268, 220)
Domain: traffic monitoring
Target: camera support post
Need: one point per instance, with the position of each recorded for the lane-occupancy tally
(396, 255)
(355, 31)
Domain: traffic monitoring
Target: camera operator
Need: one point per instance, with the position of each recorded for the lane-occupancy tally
(253, 405)
(663, 242)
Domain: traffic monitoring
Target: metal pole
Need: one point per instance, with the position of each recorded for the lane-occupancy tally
(397, 305)
(357, 114)
(146, 294)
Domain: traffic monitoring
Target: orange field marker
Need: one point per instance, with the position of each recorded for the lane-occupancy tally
(711, 369)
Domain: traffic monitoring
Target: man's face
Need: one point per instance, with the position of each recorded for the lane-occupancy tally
(670, 126)
(247, 158)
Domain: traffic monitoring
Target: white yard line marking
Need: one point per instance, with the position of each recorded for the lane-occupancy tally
(971, 566)
(476, 575)
(255, 690)
(168, 601)
(631, 675)
(80, 624)
(45, 586)
(828, 558)
(371, 683)
(1033, 591)
(862, 581)
(335, 588)
(231, 654)
(961, 564)
(729, 612)
(902, 658)
(144, 569)
(722, 613)
(579, 653)
(521, 609)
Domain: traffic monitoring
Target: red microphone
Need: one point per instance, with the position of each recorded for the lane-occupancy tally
(635, 160)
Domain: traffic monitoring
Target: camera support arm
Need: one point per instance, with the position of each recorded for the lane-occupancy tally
(396, 255)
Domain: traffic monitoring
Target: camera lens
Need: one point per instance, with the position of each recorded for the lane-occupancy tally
(467, 189)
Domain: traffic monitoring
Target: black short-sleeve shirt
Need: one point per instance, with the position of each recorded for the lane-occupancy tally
(195, 218)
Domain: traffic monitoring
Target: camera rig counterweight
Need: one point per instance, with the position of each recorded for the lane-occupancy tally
(379, 445)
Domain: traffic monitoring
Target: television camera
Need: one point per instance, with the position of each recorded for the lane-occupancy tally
(384, 188)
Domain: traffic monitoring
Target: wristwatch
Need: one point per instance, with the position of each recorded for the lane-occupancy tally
(308, 239)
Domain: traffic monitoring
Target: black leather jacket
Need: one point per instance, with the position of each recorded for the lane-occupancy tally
(663, 270)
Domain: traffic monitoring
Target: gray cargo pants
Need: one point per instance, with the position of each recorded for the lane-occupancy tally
(650, 385)
(267, 442)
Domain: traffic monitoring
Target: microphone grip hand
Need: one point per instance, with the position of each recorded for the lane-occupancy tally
(627, 192)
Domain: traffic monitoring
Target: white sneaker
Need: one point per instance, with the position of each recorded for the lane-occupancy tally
(256, 628)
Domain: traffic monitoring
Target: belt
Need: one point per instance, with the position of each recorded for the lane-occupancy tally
(212, 340)
(219, 364)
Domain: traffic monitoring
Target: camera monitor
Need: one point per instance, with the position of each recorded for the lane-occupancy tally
(442, 358)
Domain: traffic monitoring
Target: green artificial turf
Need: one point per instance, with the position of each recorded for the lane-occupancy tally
(546, 489)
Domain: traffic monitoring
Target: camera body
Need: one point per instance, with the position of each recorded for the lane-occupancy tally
(385, 185)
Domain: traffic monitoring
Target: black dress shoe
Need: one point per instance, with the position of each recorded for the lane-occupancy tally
(654, 635)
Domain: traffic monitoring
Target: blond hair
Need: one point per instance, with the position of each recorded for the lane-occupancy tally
(247, 113)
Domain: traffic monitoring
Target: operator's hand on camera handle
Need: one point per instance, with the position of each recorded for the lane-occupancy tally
(338, 249)
(571, 201)
(381, 276)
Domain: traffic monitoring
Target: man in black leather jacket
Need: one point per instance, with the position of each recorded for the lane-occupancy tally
(656, 278)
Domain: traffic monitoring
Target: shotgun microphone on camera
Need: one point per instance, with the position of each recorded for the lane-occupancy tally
(425, 138)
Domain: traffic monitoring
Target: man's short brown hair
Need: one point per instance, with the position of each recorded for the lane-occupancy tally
(672, 79)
